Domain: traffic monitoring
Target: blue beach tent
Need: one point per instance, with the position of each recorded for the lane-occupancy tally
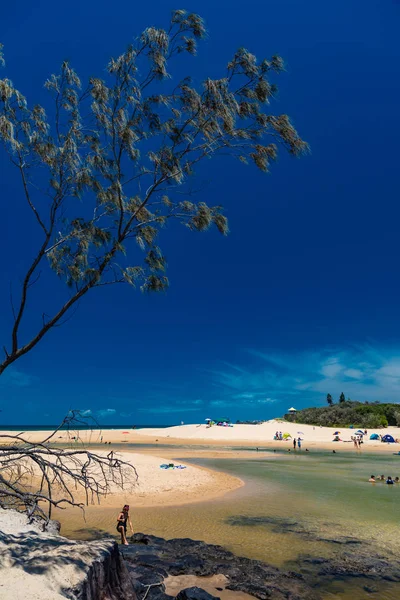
(374, 436)
(388, 438)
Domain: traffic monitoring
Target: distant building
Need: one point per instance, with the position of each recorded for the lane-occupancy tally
(292, 410)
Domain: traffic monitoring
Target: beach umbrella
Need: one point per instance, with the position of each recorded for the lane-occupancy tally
(336, 433)
(207, 419)
(300, 433)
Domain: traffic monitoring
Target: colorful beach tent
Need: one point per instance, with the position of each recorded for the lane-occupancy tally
(374, 436)
(286, 436)
(388, 439)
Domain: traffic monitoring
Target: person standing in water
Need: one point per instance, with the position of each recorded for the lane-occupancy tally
(122, 520)
(299, 443)
(294, 444)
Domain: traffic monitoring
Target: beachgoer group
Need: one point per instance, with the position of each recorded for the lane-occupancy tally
(357, 440)
(388, 480)
(296, 441)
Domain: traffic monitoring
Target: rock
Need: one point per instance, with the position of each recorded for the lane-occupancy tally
(150, 558)
(107, 578)
(363, 563)
(195, 593)
(281, 525)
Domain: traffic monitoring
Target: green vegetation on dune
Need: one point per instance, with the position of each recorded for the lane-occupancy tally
(347, 413)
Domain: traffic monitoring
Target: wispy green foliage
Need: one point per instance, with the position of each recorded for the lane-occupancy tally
(120, 153)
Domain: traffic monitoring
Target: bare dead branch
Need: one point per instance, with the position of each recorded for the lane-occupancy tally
(37, 477)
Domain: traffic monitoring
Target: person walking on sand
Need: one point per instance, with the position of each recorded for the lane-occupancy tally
(294, 444)
(122, 520)
(299, 443)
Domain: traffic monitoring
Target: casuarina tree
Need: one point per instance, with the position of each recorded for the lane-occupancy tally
(329, 399)
(103, 167)
(113, 159)
(342, 398)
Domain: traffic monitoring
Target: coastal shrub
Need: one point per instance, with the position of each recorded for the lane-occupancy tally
(348, 413)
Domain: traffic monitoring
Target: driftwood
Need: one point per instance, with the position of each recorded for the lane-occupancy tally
(36, 477)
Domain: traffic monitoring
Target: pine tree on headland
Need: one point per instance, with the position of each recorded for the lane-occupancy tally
(329, 399)
(342, 398)
(112, 161)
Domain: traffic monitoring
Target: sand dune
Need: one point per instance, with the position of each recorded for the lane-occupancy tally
(262, 435)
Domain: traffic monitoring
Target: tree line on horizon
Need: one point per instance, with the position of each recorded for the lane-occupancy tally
(349, 412)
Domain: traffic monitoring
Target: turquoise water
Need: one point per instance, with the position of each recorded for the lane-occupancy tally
(292, 505)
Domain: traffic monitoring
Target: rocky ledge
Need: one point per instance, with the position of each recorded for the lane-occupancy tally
(150, 560)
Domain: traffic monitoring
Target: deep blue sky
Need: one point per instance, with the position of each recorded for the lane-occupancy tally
(302, 298)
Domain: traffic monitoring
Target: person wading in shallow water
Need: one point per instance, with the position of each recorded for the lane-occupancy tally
(123, 518)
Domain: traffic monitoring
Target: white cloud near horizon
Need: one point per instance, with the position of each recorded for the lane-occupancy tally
(361, 372)
(106, 412)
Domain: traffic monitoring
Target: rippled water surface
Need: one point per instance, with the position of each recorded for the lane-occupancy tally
(291, 506)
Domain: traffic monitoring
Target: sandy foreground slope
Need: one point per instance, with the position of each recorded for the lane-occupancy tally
(40, 566)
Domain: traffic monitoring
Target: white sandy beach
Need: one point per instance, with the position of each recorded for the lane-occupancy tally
(262, 434)
(163, 487)
(238, 435)
(182, 436)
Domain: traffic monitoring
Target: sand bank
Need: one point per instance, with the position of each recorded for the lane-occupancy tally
(152, 486)
(166, 487)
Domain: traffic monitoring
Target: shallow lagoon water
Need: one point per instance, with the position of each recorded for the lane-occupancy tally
(292, 505)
